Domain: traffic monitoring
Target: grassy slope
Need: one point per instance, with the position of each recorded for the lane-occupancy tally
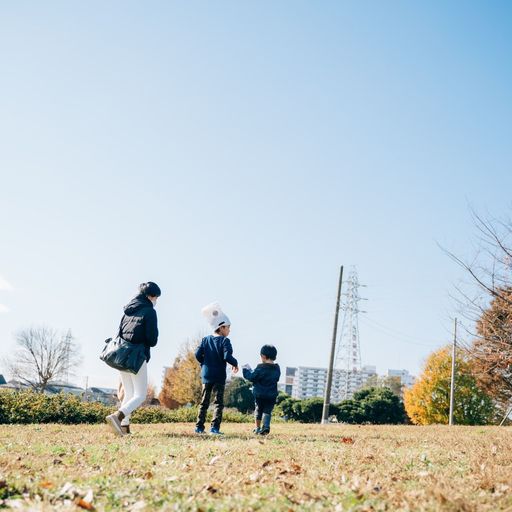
(298, 467)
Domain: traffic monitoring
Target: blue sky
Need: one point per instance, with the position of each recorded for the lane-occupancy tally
(241, 152)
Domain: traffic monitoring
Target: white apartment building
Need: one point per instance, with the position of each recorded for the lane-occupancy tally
(309, 382)
(406, 378)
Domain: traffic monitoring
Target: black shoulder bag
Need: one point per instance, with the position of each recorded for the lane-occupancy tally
(123, 355)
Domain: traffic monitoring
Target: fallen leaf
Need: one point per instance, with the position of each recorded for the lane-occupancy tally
(347, 440)
(84, 504)
(296, 468)
(214, 460)
(45, 484)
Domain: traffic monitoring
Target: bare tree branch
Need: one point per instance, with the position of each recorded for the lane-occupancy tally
(43, 356)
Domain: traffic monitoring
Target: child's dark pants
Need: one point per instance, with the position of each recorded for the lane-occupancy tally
(218, 402)
(264, 406)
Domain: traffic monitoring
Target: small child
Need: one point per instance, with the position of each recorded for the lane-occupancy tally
(213, 354)
(265, 378)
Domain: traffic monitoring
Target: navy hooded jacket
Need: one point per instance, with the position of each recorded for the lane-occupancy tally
(213, 354)
(265, 378)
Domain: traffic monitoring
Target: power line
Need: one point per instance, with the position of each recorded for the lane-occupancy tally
(396, 335)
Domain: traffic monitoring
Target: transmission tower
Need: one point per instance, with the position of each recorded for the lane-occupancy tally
(348, 354)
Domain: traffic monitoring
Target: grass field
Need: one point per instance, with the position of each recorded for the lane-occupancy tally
(297, 467)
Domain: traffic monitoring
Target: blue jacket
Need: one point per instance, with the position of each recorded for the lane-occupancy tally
(213, 353)
(265, 378)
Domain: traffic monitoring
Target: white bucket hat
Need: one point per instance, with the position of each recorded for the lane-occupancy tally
(215, 316)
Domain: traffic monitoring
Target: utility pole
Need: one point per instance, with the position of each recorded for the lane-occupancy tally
(327, 398)
(452, 384)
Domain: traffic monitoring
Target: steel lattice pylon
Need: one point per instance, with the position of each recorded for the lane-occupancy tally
(348, 353)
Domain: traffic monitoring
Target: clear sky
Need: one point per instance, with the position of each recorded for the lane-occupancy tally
(241, 152)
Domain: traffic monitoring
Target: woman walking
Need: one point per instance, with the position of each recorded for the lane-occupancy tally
(138, 325)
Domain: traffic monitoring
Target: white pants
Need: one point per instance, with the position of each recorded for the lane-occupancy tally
(135, 391)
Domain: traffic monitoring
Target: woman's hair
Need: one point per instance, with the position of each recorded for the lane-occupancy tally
(150, 289)
(269, 351)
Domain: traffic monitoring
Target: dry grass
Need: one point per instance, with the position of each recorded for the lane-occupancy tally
(298, 467)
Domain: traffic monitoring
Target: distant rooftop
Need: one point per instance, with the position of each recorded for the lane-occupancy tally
(107, 391)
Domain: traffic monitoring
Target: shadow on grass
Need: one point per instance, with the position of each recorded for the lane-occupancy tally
(207, 437)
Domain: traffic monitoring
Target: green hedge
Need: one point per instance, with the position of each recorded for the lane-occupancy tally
(31, 407)
(379, 406)
(183, 415)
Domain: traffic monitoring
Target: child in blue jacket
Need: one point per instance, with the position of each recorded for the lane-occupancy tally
(265, 378)
(213, 354)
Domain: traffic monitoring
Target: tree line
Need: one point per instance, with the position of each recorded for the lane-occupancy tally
(483, 362)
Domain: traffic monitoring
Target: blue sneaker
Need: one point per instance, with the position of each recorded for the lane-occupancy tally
(215, 432)
(199, 430)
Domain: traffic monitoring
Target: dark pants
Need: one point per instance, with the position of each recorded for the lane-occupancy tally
(218, 402)
(263, 406)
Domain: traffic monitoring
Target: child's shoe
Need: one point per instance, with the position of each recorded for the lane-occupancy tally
(265, 427)
(257, 430)
(126, 429)
(215, 431)
(199, 430)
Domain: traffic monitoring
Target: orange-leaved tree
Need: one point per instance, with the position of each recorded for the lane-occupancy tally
(492, 348)
(428, 400)
(182, 381)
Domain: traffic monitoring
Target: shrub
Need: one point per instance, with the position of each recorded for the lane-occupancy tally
(32, 407)
(350, 411)
(304, 411)
(372, 405)
(285, 409)
(239, 395)
(309, 410)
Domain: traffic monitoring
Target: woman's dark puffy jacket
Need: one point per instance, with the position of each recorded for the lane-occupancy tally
(139, 323)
